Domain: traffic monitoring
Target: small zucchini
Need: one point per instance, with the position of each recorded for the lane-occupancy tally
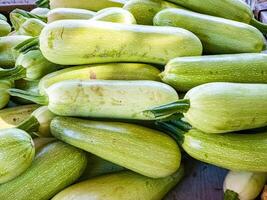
(5, 28)
(187, 72)
(131, 187)
(4, 96)
(17, 153)
(218, 35)
(41, 12)
(31, 27)
(55, 167)
(3, 17)
(142, 150)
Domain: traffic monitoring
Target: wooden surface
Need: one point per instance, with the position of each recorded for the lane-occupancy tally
(7, 6)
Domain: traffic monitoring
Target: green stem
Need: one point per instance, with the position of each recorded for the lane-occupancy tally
(41, 100)
(29, 15)
(230, 195)
(30, 125)
(42, 3)
(15, 73)
(28, 45)
(184, 126)
(259, 25)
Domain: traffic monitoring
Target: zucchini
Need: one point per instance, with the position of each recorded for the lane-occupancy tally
(221, 107)
(40, 143)
(188, 72)
(3, 17)
(131, 187)
(58, 46)
(103, 98)
(5, 28)
(243, 185)
(41, 12)
(68, 13)
(142, 150)
(110, 71)
(17, 153)
(4, 96)
(55, 167)
(31, 27)
(218, 35)
(11, 117)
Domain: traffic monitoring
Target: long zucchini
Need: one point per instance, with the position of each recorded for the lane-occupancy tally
(110, 71)
(31, 27)
(221, 107)
(103, 98)
(17, 153)
(55, 167)
(218, 35)
(187, 72)
(142, 150)
(131, 187)
(93, 44)
(4, 96)
(5, 28)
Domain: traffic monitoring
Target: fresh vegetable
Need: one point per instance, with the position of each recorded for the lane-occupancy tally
(3, 17)
(4, 96)
(110, 71)
(31, 27)
(5, 28)
(187, 72)
(17, 153)
(218, 35)
(221, 107)
(55, 167)
(103, 98)
(40, 143)
(142, 150)
(243, 185)
(131, 187)
(41, 12)
(155, 44)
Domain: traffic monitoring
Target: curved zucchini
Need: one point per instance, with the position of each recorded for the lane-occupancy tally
(31, 27)
(110, 71)
(131, 187)
(17, 153)
(187, 72)
(218, 35)
(58, 46)
(4, 96)
(55, 167)
(5, 28)
(142, 150)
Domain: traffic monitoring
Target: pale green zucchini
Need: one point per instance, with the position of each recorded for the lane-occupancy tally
(3, 17)
(142, 150)
(55, 167)
(5, 28)
(110, 71)
(103, 98)
(187, 72)
(17, 153)
(93, 44)
(218, 35)
(131, 187)
(31, 27)
(4, 96)
(41, 12)
(221, 107)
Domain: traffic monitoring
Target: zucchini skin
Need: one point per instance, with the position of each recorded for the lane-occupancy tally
(5, 28)
(218, 35)
(142, 150)
(238, 152)
(187, 72)
(55, 167)
(4, 96)
(58, 46)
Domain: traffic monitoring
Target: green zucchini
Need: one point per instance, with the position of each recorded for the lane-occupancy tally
(40, 143)
(17, 153)
(187, 72)
(5, 28)
(218, 35)
(68, 13)
(110, 71)
(103, 98)
(4, 96)
(55, 167)
(11, 117)
(31, 27)
(58, 45)
(221, 107)
(41, 12)
(142, 150)
(124, 185)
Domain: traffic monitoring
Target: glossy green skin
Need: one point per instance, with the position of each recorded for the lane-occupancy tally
(31, 27)
(155, 44)
(239, 152)
(4, 96)
(124, 185)
(227, 107)
(142, 150)
(5, 28)
(55, 167)
(17, 153)
(187, 72)
(110, 71)
(218, 35)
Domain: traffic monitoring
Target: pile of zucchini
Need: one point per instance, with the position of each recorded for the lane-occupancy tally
(107, 99)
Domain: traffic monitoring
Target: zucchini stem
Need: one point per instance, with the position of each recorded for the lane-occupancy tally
(42, 3)
(259, 25)
(15, 73)
(28, 45)
(184, 126)
(41, 100)
(230, 195)
(30, 125)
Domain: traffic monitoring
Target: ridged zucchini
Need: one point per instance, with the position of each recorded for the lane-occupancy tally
(58, 45)
(142, 150)
(5, 28)
(131, 187)
(218, 35)
(103, 98)
(110, 71)
(17, 153)
(31, 27)
(55, 167)
(4, 96)
(187, 72)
